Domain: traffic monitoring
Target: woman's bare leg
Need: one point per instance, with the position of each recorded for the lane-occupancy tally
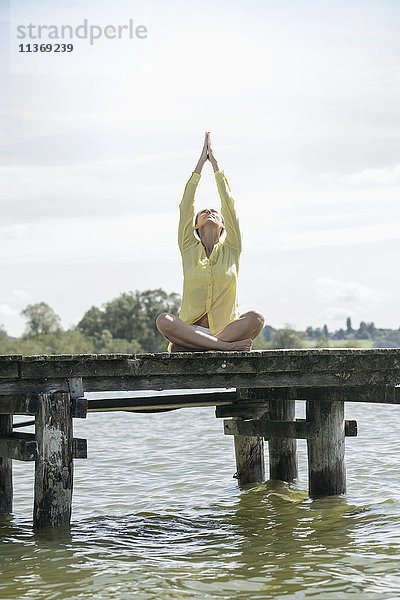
(248, 325)
(182, 334)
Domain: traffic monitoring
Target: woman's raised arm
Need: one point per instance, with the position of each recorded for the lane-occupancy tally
(204, 154)
(233, 235)
(211, 156)
(186, 208)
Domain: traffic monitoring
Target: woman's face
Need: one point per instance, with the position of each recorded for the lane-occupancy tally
(209, 215)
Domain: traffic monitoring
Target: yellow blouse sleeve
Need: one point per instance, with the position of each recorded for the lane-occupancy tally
(233, 235)
(186, 209)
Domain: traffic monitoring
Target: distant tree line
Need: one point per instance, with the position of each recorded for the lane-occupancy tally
(126, 325)
(321, 336)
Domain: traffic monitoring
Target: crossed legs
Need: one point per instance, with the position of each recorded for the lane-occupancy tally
(237, 335)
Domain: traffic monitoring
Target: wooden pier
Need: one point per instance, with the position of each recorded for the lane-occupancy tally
(257, 402)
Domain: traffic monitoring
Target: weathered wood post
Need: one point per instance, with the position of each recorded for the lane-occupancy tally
(249, 450)
(54, 466)
(249, 453)
(6, 484)
(282, 451)
(326, 447)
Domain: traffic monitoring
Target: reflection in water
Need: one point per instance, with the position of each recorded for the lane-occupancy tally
(168, 527)
(270, 542)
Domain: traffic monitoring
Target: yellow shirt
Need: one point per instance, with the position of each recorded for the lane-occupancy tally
(209, 284)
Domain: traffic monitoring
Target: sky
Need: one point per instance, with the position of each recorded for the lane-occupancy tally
(96, 146)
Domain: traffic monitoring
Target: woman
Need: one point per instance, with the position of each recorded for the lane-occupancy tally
(208, 318)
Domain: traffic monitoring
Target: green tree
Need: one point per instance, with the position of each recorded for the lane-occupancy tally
(288, 338)
(268, 333)
(349, 329)
(92, 322)
(132, 317)
(310, 332)
(318, 332)
(41, 319)
(322, 342)
(362, 333)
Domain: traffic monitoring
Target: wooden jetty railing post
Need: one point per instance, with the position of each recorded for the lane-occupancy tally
(326, 448)
(54, 466)
(6, 484)
(282, 451)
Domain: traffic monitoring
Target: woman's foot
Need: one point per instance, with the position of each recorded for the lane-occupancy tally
(176, 348)
(241, 345)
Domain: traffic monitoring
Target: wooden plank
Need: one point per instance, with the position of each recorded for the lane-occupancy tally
(326, 449)
(23, 404)
(385, 394)
(170, 401)
(212, 380)
(268, 429)
(22, 424)
(350, 427)
(75, 385)
(242, 409)
(79, 445)
(389, 395)
(6, 482)
(54, 467)
(79, 407)
(9, 366)
(298, 429)
(379, 393)
(282, 451)
(18, 449)
(342, 364)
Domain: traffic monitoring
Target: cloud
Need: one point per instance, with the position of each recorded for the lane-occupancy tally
(333, 314)
(385, 176)
(333, 290)
(347, 299)
(85, 240)
(103, 187)
(8, 311)
(22, 294)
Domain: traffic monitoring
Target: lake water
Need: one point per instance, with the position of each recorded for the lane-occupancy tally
(157, 515)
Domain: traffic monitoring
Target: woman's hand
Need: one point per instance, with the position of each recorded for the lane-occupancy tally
(204, 153)
(211, 156)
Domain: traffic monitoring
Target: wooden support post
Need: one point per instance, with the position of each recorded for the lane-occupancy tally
(250, 466)
(249, 451)
(6, 484)
(53, 474)
(282, 451)
(326, 448)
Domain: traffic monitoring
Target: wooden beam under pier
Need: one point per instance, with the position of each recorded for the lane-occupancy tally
(18, 449)
(79, 445)
(19, 404)
(299, 429)
(336, 368)
(165, 402)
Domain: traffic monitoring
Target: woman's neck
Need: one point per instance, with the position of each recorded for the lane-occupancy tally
(209, 239)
